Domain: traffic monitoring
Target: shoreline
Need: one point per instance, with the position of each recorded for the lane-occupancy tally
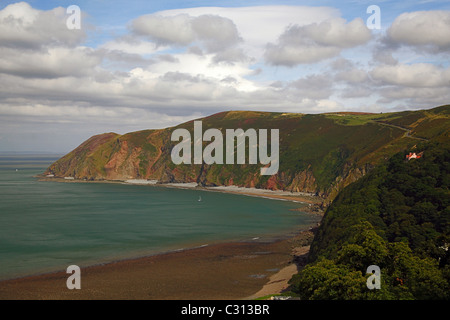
(265, 239)
(298, 197)
(221, 271)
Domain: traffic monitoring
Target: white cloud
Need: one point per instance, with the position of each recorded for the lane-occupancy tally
(316, 87)
(316, 42)
(415, 98)
(205, 66)
(91, 114)
(214, 32)
(38, 44)
(258, 25)
(132, 45)
(384, 56)
(291, 55)
(414, 75)
(425, 29)
(53, 63)
(23, 27)
(165, 30)
(232, 55)
(416, 85)
(348, 72)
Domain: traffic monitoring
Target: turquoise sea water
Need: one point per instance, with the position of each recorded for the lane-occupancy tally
(46, 226)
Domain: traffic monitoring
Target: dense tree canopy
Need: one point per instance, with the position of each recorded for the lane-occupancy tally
(396, 217)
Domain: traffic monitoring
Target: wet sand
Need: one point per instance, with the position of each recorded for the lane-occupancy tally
(222, 271)
(227, 271)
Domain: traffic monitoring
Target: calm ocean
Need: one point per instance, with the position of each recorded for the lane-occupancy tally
(47, 226)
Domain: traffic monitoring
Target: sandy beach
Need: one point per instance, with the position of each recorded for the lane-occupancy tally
(227, 271)
(301, 197)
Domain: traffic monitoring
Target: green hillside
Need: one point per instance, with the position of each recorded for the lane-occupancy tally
(319, 153)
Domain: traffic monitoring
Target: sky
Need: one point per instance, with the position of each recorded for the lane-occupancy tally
(135, 65)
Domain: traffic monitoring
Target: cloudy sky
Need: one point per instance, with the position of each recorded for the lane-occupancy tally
(136, 65)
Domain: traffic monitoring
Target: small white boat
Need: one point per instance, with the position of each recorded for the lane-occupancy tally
(199, 198)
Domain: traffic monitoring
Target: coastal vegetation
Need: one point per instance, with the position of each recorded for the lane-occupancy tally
(396, 217)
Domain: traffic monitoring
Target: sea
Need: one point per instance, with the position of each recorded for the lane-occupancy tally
(45, 226)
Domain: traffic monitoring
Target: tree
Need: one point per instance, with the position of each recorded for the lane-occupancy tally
(327, 280)
(396, 217)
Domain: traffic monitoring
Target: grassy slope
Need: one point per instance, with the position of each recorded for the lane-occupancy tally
(318, 153)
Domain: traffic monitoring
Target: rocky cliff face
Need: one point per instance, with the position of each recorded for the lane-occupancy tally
(318, 154)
